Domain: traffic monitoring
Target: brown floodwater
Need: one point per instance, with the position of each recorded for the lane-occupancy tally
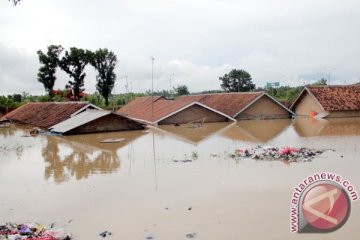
(141, 187)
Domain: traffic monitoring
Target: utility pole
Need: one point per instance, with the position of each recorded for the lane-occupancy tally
(170, 83)
(330, 69)
(152, 86)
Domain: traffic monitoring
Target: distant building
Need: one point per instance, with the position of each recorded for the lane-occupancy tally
(328, 101)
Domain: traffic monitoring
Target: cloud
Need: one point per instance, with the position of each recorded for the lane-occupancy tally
(17, 71)
(274, 40)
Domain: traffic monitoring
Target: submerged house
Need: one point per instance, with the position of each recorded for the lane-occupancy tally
(47, 114)
(328, 101)
(94, 121)
(70, 118)
(221, 107)
(160, 111)
(244, 105)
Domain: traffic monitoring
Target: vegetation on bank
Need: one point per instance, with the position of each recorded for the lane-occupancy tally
(74, 61)
(285, 94)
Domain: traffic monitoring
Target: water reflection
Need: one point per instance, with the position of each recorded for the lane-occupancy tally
(7, 131)
(193, 135)
(329, 127)
(258, 131)
(83, 155)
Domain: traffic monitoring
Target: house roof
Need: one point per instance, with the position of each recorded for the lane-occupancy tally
(78, 120)
(47, 114)
(229, 103)
(81, 119)
(334, 98)
(154, 109)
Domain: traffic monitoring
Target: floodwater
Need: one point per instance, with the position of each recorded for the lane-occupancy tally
(167, 182)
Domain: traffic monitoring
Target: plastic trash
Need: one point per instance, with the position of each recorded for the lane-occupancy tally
(58, 234)
(105, 233)
(31, 231)
(25, 230)
(41, 238)
(287, 153)
(14, 237)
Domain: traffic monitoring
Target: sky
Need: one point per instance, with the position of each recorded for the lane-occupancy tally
(194, 42)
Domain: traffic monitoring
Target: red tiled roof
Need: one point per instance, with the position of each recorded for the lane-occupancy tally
(142, 108)
(337, 98)
(45, 114)
(228, 103)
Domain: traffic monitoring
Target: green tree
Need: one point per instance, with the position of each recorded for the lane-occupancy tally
(181, 90)
(237, 81)
(49, 62)
(15, 2)
(7, 103)
(17, 97)
(74, 63)
(321, 82)
(165, 93)
(104, 62)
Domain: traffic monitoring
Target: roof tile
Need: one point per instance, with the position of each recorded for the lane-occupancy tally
(228, 103)
(337, 98)
(45, 114)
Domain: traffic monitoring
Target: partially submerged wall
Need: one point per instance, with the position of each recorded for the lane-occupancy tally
(264, 108)
(194, 113)
(343, 114)
(308, 104)
(108, 123)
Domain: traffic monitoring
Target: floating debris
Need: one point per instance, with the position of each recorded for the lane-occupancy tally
(184, 160)
(191, 235)
(31, 231)
(150, 237)
(18, 149)
(288, 154)
(112, 140)
(105, 233)
(5, 123)
(194, 155)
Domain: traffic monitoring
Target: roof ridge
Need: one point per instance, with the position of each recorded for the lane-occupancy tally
(224, 93)
(67, 102)
(333, 86)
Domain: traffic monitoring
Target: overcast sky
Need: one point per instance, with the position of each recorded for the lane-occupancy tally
(291, 41)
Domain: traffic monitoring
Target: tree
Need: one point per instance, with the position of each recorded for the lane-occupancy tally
(7, 103)
(15, 2)
(104, 63)
(321, 82)
(237, 81)
(181, 90)
(74, 63)
(47, 72)
(16, 97)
